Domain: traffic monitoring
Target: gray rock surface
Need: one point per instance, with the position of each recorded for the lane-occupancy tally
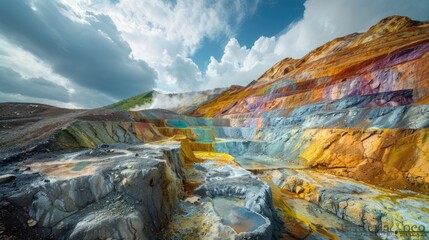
(122, 193)
(372, 208)
(6, 178)
(241, 184)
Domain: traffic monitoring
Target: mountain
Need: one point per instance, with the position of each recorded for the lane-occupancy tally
(356, 106)
(330, 146)
(384, 59)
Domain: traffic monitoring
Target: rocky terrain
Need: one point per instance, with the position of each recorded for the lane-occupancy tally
(330, 146)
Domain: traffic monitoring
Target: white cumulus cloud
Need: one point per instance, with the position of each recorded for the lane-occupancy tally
(166, 34)
(239, 65)
(328, 19)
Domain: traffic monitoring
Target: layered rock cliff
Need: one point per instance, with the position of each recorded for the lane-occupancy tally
(356, 106)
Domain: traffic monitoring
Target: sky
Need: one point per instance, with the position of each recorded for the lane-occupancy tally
(90, 53)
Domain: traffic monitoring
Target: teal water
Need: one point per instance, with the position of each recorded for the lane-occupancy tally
(80, 165)
(238, 218)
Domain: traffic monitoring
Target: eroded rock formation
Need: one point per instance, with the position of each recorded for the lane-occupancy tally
(368, 91)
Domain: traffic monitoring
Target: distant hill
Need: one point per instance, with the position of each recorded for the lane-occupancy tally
(141, 99)
(178, 102)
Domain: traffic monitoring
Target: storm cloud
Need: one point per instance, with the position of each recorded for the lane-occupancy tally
(13, 83)
(91, 54)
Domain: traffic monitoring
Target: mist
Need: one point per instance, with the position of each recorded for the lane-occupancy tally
(179, 102)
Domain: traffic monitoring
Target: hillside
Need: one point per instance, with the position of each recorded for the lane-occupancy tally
(139, 100)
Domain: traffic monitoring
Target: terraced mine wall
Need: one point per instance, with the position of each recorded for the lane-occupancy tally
(376, 155)
(357, 106)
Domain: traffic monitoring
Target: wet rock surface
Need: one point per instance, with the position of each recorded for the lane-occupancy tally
(111, 195)
(240, 184)
(372, 208)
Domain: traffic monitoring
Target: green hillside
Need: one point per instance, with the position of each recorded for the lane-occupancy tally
(128, 103)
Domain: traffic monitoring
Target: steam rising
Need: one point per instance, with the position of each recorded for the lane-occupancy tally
(179, 102)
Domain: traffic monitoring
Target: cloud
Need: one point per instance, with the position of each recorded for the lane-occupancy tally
(326, 20)
(239, 65)
(12, 82)
(177, 27)
(29, 66)
(165, 34)
(322, 22)
(103, 50)
(91, 54)
(186, 73)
